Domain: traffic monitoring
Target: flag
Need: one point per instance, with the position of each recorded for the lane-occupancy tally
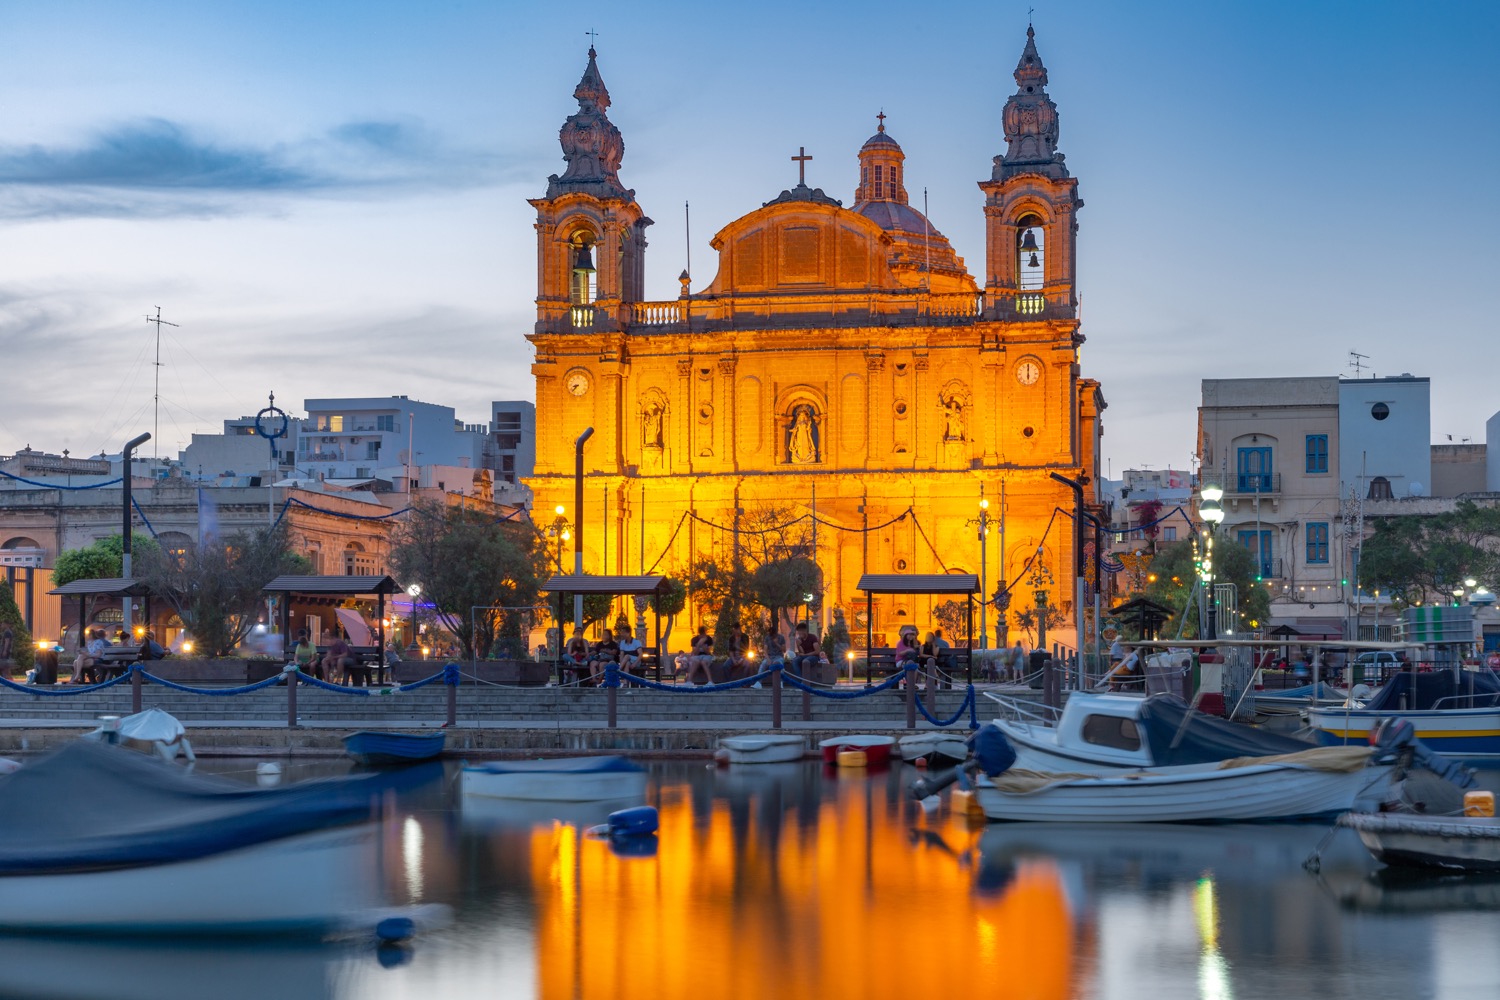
(208, 516)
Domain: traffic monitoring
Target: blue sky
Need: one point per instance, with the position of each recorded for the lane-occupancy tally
(330, 198)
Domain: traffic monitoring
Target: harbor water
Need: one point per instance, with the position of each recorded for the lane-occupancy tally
(793, 881)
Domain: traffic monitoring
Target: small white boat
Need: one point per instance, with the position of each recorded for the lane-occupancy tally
(483, 812)
(154, 727)
(562, 779)
(1100, 733)
(770, 748)
(1295, 701)
(938, 749)
(1297, 786)
(1464, 843)
(877, 749)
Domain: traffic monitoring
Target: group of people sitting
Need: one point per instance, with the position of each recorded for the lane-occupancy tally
(932, 656)
(590, 659)
(801, 657)
(89, 666)
(338, 664)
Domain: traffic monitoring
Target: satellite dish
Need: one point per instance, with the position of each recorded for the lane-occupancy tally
(1416, 490)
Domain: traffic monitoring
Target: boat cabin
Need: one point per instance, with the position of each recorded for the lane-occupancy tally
(1108, 725)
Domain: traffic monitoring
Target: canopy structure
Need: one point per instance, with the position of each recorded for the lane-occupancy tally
(121, 587)
(871, 584)
(624, 586)
(1147, 614)
(330, 586)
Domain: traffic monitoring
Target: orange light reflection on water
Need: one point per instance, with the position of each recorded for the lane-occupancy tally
(855, 905)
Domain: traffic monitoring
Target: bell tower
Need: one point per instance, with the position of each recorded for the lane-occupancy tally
(591, 234)
(1030, 207)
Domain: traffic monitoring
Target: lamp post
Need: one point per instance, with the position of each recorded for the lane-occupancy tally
(807, 600)
(1212, 513)
(588, 432)
(983, 522)
(414, 591)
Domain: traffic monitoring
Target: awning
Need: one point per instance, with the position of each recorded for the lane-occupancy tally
(586, 584)
(919, 583)
(106, 587)
(347, 585)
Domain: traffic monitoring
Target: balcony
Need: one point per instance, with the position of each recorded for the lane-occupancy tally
(1255, 484)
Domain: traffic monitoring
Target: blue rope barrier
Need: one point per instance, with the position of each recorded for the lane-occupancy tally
(792, 680)
(956, 715)
(60, 486)
(690, 688)
(312, 681)
(973, 708)
(31, 689)
(217, 692)
(448, 675)
(144, 519)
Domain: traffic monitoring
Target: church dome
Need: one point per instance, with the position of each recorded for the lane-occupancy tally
(895, 217)
(880, 138)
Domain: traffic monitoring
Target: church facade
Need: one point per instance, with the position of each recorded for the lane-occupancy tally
(843, 360)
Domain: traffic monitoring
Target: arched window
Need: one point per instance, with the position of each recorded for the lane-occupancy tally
(1031, 253)
(583, 280)
(176, 546)
(358, 562)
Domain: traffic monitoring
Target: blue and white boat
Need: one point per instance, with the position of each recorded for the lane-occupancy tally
(369, 746)
(105, 840)
(1456, 714)
(562, 779)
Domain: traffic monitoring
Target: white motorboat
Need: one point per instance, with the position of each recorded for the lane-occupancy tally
(1456, 715)
(106, 840)
(154, 727)
(770, 748)
(937, 749)
(562, 779)
(1295, 701)
(1317, 782)
(1465, 843)
(1100, 733)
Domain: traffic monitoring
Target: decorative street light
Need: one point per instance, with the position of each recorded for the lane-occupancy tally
(414, 591)
(983, 523)
(807, 600)
(1212, 513)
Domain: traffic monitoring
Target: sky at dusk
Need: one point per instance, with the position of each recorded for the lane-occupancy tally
(330, 198)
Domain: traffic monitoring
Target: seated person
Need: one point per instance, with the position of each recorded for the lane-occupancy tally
(305, 655)
(150, 648)
(775, 647)
(603, 653)
(741, 657)
(86, 664)
(340, 661)
(907, 650)
(576, 654)
(701, 656)
(630, 652)
(1128, 674)
(807, 653)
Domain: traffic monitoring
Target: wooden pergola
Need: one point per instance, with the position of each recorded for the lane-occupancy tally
(614, 586)
(935, 584)
(120, 587)
(330, 586)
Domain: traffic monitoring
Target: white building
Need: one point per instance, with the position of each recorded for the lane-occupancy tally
(1385, 436)
(513, 433)
(384, 437)
(239, 452)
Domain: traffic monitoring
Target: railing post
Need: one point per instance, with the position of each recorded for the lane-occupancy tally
(290, 673)
(1051, 693)
(776, 697)
(612, 693)
(911, 695)
(135, 687)
(451, 677)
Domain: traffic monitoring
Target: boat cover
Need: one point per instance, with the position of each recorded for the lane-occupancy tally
(1408, 692)
(561, 765)
(1322, 689)
(92, 806)
(1204, 738)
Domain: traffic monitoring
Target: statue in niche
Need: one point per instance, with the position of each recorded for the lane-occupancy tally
(954, 426)
(802, 436)
(651, 421)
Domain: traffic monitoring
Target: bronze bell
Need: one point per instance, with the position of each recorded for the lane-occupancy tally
(583, 261)
(1028, 243)
(1033, 262)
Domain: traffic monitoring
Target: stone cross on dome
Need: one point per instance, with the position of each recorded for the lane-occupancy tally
(801, 160)
(881, 118)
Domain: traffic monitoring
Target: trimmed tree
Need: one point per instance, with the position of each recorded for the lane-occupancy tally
(22, 653)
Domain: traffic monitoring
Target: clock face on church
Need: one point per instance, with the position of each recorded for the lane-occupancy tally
(1028, 371)
(577, 383)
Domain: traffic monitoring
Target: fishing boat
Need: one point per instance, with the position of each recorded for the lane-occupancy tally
(770, 748)
(562, 779)
(1464, 843)
(1323, 781)
(107, 840)
(1099, 733)
(1294, 701)
(877, 749)
(1456, 713)
(370, 746)
(937, 749)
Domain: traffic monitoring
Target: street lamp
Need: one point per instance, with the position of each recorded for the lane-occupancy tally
(984, 530)
(807, 600)
(1212, 513)
(414, 591)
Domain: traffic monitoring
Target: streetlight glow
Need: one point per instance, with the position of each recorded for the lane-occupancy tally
(560, 510)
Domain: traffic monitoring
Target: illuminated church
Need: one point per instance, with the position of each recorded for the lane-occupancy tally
(842, 356)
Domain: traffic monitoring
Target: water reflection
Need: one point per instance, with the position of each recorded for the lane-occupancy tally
(796, 881)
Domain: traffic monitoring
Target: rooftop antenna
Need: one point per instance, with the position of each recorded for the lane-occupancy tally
(156, 398)
(927, 243)
(1357, 362)
(687, 234)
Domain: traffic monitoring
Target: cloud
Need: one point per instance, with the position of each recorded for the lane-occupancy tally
(154, 168)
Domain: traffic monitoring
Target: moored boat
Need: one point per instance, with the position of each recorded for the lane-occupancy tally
(1457, 716)
(877, 749)
(562, 779)
(1100, 733)
(770, 748)
(370, 746)
(938, 749)
(107, 840)
(1465, 843)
